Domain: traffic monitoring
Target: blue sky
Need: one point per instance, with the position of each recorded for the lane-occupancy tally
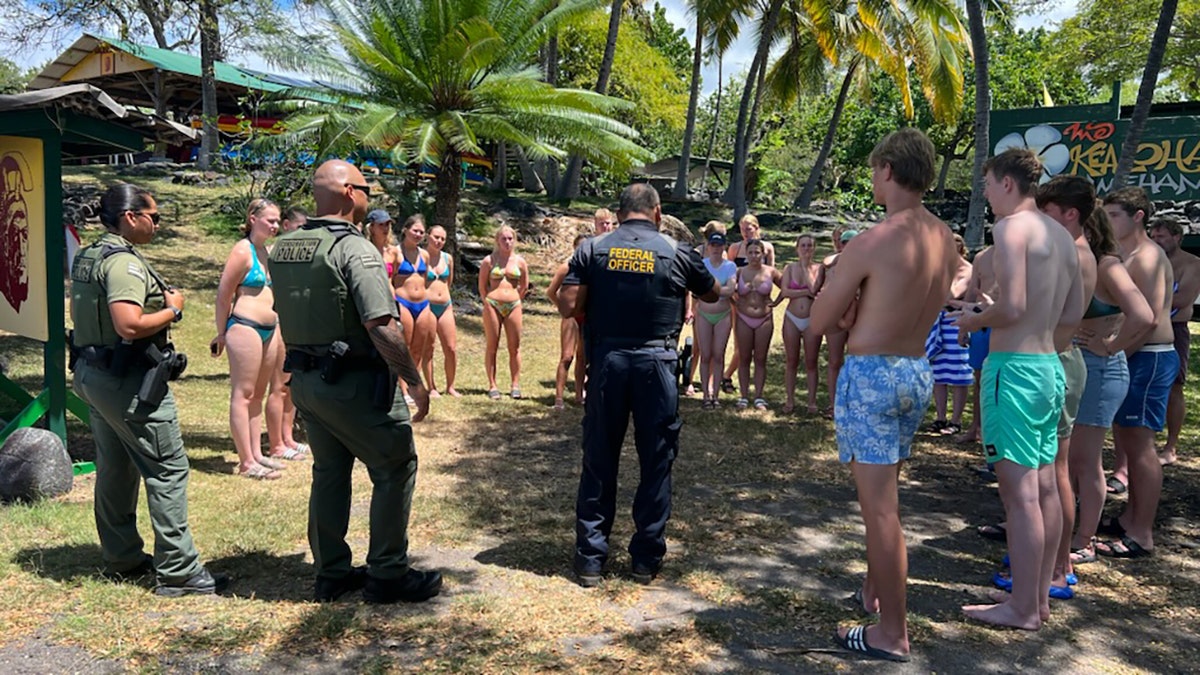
(736, 60)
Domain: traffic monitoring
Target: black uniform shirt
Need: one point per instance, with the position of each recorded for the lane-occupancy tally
(637, 281)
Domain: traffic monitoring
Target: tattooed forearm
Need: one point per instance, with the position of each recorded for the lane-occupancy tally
(390, 344)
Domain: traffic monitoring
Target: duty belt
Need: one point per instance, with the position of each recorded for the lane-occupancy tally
(299, 362)
(670, 343)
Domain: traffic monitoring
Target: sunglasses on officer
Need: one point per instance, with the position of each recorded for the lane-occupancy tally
(154, 217)
(365, 189)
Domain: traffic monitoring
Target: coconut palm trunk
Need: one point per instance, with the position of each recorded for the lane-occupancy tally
(1141, 110)
(974, 230)
(685, 156)
(712, 134)
(568, 185)
(814, 177)
(736, 194)
(210, 47)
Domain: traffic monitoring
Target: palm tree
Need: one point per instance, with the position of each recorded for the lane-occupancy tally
(568, 187)
(1141, 110)
(890, 36)
(983, 107)
(717, 26)
(426, 80)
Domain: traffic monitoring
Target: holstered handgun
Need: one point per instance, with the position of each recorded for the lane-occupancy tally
(72, 351)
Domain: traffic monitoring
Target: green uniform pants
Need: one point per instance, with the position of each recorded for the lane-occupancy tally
(343, 425)
(138, 442)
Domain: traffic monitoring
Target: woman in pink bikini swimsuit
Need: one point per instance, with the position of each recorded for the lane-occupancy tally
(799, 287)
(754, 321)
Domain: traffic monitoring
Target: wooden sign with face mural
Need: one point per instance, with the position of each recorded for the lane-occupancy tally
(22, 238)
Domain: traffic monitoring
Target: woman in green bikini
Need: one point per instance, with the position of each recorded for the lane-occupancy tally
(438, 280)
(713, 320)
(503, 281)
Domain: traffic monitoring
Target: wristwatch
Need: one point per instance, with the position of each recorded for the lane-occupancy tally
(178, 314)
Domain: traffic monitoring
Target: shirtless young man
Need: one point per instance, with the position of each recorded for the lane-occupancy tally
(891, 282)
(1169, 236)
(1153, 366)
(1040, 294)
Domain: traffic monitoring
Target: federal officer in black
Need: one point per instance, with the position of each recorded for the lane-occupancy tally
(631, 284)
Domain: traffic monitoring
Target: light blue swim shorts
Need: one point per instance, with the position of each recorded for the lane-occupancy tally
(880, 402)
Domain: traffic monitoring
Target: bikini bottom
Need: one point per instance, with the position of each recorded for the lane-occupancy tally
(800, 324)
(752, 321)
(439, 308)
(504, 308)
(264, 331)
(414, 308)
(714, 318)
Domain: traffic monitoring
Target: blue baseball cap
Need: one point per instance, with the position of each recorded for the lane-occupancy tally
(378, 216)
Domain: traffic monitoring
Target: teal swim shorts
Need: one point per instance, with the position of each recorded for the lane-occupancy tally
(1022, 397)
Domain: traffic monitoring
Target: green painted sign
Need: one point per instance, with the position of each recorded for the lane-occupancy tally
(1085, 141)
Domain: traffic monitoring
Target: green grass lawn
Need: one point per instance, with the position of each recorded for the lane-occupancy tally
(765, 540)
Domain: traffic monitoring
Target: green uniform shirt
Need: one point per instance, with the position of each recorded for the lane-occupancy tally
(323, 294)
(97, 282)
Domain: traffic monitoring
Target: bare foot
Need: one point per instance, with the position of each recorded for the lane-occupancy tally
(1001, 614)
(433, 393)
(870, 603)
(788, 408)
(1167, 456)
(998, 596)
(970, 436)
(453, 392)
(812, 409)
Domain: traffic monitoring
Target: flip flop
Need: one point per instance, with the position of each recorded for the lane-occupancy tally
(290, 455)
(855, 600)
(1116, 487)
(272, 463)
(742, 404)
(302, 449)
(494, 394)
(1080, 556)
(760, 404)
(1132, 549)
(516, 393)
(855, 642)
(260, 472)
(727, 386)
(995, 532)
(1056, 592)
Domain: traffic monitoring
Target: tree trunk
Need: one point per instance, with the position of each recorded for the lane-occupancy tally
(500, 181)
(685, 157)
(949, 154)
(712, 134)
(568, 187)
(445, 203)
(735, 195)
(1141, 110)
(974, 230)
(530, 181)
(814, 177)
(210, 39)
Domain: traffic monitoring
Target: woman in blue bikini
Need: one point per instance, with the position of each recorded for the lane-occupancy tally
(408, 282)
(438, 281)
(246, 321)
(503, 281)
(713, 321)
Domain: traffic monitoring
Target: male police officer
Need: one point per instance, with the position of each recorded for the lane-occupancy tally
(345, 351)
(631, 283)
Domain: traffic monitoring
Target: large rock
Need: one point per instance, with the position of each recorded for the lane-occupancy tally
(674, 228)
(34, 465)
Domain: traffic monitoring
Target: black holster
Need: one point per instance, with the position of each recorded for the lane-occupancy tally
(167, 366)
(332, 364)
(72, 351)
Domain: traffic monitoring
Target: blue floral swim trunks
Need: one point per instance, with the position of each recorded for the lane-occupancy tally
(880, 402)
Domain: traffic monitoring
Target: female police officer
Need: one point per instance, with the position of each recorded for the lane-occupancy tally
(122, 311)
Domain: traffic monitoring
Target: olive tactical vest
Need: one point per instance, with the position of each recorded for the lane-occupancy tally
(89, 295)
(311, 297)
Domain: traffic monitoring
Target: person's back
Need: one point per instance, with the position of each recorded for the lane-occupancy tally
(913, 261)
(1049, 266)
